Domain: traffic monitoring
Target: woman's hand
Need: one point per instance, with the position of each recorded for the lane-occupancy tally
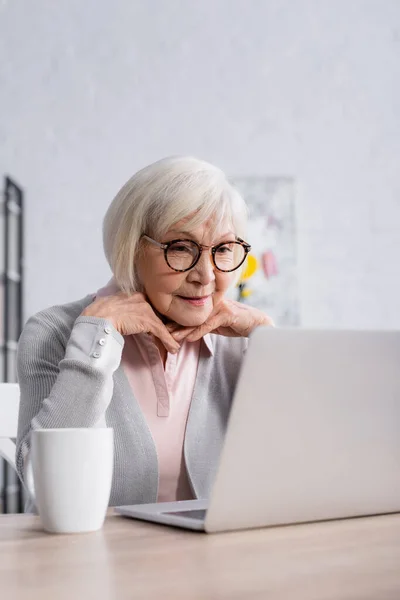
(229, 318)
(130, 315)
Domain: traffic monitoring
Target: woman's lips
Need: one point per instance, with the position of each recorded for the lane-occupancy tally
(195, 301)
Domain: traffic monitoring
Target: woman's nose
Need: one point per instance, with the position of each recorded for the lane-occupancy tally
(203, 271)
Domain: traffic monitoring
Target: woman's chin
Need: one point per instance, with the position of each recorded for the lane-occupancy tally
(190, 320)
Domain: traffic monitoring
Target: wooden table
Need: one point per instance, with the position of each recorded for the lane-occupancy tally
(353, 559)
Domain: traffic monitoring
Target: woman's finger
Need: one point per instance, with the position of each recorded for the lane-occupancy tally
(160, 331)
(182, 333)
(207, 327)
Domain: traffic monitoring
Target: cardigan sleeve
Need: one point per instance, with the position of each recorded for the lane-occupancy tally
(64, 383)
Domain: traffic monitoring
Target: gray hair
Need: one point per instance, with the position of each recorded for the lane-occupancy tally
(157, 197)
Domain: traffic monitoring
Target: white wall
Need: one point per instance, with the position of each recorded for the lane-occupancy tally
(91, 91)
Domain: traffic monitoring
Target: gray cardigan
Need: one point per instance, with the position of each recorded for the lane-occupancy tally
(68, 380)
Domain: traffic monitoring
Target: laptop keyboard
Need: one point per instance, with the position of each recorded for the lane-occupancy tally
(191, 514)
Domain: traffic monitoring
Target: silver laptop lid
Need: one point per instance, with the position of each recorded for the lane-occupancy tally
(314, 431)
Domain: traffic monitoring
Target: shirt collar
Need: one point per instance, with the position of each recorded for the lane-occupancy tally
(209, 343)
(147, 338)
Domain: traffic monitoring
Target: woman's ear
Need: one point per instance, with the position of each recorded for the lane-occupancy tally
(139, 287)
(138, 267)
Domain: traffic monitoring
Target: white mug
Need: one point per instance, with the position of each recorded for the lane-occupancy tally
(72, 476)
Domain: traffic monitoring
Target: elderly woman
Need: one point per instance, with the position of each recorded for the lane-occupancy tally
(156, 353)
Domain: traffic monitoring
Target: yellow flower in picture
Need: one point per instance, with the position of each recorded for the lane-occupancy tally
(246, 293)
(249, 270)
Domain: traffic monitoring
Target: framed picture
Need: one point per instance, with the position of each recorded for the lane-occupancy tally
(269, 281)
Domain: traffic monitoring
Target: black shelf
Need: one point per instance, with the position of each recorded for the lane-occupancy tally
(11, 308)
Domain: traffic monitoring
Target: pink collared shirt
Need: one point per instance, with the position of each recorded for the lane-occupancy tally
(164, 397)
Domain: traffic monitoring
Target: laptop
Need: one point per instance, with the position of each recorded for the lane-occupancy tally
(313, 434)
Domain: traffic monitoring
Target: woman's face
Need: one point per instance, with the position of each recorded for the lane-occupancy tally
(186, 298)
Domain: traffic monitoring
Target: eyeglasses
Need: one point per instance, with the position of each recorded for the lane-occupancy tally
(183, 255)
